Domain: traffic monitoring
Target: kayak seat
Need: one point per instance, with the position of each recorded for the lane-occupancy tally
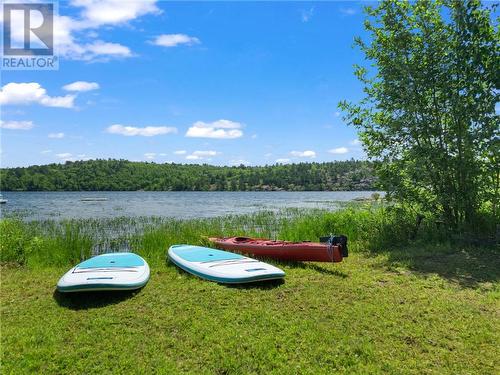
(242, 239)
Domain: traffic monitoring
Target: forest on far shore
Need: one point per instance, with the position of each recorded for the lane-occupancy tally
(124, 175)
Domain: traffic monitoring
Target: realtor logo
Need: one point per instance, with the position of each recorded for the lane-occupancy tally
(28, 37)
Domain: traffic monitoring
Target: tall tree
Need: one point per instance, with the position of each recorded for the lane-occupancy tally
(428, 116)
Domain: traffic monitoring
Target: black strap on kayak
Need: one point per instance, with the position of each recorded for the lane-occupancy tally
(329, 249)
(332, 240)
(342, 241)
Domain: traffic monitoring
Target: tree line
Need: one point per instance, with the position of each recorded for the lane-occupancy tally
(124, 175)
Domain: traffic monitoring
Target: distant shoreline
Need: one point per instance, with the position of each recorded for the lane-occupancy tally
(186, 191)
(124, 175)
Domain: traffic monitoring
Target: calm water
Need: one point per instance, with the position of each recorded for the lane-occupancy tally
(183, 205)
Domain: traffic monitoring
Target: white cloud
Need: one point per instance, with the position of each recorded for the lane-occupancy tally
(283, 160)
(239, 162)
(63, 37)
(64, 155)
(81, 86)
(306, 15)
(105, 49)
(96, 13)
(97, 50)
(64, 29)
(220, 124)
(339, 150)
(205, 153)
(355, 142)
(46, 152)
(348, 11)
(28, 93)
(150, 155)
(221, 129)
(173, 40)
(180, 152)
(148, 131)
(16, 125)
(337, 114)
(73, 35)
(303, 154)
(56, 135)
(199, 155)
(92, 34)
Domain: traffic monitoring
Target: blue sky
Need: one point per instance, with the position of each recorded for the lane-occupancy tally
(217, 82)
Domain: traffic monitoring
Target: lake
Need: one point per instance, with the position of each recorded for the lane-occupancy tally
(182, 205)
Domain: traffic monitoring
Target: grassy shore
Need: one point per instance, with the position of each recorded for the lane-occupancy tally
(394, 306)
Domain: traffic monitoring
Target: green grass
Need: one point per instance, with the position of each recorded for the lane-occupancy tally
(422, 308)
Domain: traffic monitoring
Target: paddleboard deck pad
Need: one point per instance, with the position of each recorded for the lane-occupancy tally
(113, 271)
(221, 266)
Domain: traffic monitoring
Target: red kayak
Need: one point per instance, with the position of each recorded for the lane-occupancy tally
(331, 251)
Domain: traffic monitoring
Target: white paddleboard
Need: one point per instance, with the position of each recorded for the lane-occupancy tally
(114, 271)
(221, 266)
